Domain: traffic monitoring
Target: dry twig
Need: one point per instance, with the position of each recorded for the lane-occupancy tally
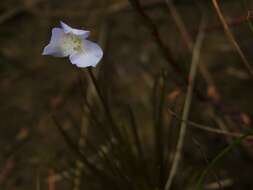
(188, 40)
(17, 10)
(207, 128)
(192, 75)
(156, 35)
(232, 39)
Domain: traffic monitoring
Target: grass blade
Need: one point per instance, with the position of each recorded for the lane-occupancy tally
(221, 155)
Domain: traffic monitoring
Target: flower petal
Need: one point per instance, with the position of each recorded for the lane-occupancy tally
(91, 55)
(53, 48)
(67, 29)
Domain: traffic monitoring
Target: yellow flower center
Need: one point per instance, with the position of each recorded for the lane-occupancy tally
(72, 44)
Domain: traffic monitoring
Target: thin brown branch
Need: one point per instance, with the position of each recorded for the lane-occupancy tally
(205, 127)
(232, 39)
(180, 24)
(187, 105)
(51, 182)
(213, 97)
(17, 10)
(232, 22)
(155, 33)
(188, 39)
(6, 170)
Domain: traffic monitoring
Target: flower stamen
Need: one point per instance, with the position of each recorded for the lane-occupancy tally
(72, 44)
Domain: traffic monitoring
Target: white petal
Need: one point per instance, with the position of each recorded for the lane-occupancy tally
(91, 55)
(68, 29)
(53, 48)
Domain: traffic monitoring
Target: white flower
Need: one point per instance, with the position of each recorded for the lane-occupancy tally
(72, 43)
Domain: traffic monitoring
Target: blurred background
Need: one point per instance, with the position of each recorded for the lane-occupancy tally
(56, 132)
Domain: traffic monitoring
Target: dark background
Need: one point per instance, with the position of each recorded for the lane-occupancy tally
(37, 90)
